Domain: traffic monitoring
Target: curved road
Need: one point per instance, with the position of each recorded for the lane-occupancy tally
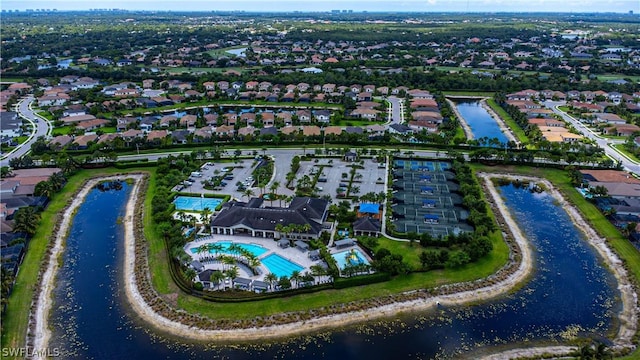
(604, 143)
(41, 125)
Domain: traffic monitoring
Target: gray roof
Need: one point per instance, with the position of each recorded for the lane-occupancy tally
(242, 281)
(344, 242)
(366, 224)
(302, 210)
(302, 245)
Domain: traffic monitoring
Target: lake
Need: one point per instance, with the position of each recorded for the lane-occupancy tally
(569, 292)
(480, 121)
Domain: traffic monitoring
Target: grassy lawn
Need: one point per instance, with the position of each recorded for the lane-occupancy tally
(108, 129)
(622, 149)
(16, 317)
(508, 120)
(62, 130)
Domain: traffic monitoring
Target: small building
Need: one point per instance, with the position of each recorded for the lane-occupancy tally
(344, 243)
(303, 246)
(314, 255)
(242, 283)
(367, 226)
(350, 156)
(369, 210)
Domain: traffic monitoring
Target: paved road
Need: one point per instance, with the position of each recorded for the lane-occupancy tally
(604, 143)
(41, 125)
(396, 113)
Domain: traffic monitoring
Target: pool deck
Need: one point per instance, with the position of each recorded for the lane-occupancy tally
(292, 254)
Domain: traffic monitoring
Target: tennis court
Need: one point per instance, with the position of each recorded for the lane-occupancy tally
(426, 199)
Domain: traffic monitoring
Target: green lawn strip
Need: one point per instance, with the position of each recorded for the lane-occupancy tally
(16, 317)
(508, 120)
(62, 130)
(108, 129)
(622, 149)
(158, 258)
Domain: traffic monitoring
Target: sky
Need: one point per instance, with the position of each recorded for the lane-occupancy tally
(622, 6)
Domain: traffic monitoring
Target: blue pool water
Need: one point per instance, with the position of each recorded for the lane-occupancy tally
(480, 122)
(196, 203)
(256, 250)
(280, 266)
(344, 257)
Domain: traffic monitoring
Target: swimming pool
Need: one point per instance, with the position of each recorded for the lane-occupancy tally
(354, 257)
(255, 249)
(196, 203)
(280, 266)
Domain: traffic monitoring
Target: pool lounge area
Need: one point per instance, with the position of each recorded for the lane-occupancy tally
(273, 258)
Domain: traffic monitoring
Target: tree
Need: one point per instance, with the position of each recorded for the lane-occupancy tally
(271, 279)
(217, 277)
(284, 283)
(44, 188)
(26, 220)
(5, 171)
(248, 193)
(204, 216)
(295, 277)
(232, 273)
(190, 274)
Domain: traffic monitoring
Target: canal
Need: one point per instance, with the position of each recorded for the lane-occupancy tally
(482, 124)
(569, 294)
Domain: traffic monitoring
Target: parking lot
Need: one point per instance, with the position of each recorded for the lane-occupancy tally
(235, 172)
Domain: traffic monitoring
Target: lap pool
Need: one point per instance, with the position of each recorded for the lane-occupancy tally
(196, 203)
(255, 249)
(280, 266)
(351, 257)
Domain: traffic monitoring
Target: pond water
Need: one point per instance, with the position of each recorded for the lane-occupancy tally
(480, 121)
(570, 292)
(238, 52)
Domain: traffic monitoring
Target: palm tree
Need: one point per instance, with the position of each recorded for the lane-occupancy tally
(204, 248)
(248, 193)
(204, 216)
(190, 274)
(44, 188)
(58, 180)
(295, 277)
(235, 249)
(227, 260)
(217, 277)
(274, 191)
(271, 278)
(317, 270)
(26, 220)
(232, 273)
(216, 248)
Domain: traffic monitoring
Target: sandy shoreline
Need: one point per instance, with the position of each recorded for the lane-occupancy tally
(41, 332)
(147, 314)
(483, 102)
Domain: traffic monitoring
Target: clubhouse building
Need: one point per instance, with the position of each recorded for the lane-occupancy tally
(303, 219)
